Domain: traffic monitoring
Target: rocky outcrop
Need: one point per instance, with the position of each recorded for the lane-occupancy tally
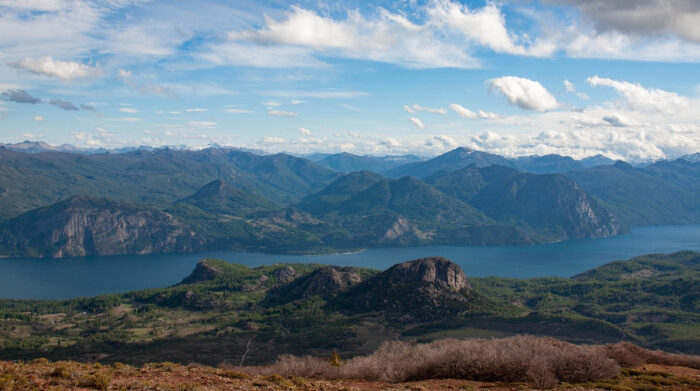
(285, 274)
(402, 231)
(420, 290)
(82, 226)
(325, 281)
(434, 270)
(202, 272)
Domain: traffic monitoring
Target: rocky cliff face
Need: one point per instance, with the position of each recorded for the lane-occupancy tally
(92, 226)
(403, 232)
(552, 204)
(439, 271)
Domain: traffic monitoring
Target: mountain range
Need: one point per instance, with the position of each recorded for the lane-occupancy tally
(222, 198)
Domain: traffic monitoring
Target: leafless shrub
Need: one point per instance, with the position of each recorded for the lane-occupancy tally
(630, 355)
(542, 361)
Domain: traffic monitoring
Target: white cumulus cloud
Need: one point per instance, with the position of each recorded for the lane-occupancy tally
(384, 36)
(468, 114)
(638, 97)
(47, 66)
(485, 26)
(525, 93)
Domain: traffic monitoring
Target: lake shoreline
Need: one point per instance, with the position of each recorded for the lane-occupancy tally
(62, 278)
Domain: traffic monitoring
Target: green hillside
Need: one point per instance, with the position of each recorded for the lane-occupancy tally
(222, 307)
(663, 193)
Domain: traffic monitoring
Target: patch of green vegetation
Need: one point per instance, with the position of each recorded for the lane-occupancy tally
(227, 315)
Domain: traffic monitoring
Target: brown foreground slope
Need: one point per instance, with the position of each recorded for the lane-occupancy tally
(44, 375)
(515, 363)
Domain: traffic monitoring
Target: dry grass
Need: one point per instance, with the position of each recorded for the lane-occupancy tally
(541, 361)
(630, 355)
(43, 375)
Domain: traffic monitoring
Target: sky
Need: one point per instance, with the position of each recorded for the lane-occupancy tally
(574, 77)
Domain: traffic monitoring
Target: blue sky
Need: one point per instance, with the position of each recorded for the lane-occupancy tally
(522, 77)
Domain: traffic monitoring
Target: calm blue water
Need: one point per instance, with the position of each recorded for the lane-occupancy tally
(88, 276)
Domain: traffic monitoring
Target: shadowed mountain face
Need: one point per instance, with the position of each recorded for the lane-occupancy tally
(412, 199)
(551, 204)
(223, 198)
(403, 211)
(93, 226)
(339, 191)
(662, 193)
(467, 182)
(365, 193)
(549, 164)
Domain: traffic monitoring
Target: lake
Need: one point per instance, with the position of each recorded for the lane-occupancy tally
(31, 278)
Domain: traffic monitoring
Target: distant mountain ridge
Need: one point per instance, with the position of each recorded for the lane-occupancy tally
(347, 162)
(155, 178)
(450, 161)
(693, 158)
(463, 157)
(241, 200)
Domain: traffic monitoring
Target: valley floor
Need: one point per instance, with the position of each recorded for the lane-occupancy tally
(41, 374)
